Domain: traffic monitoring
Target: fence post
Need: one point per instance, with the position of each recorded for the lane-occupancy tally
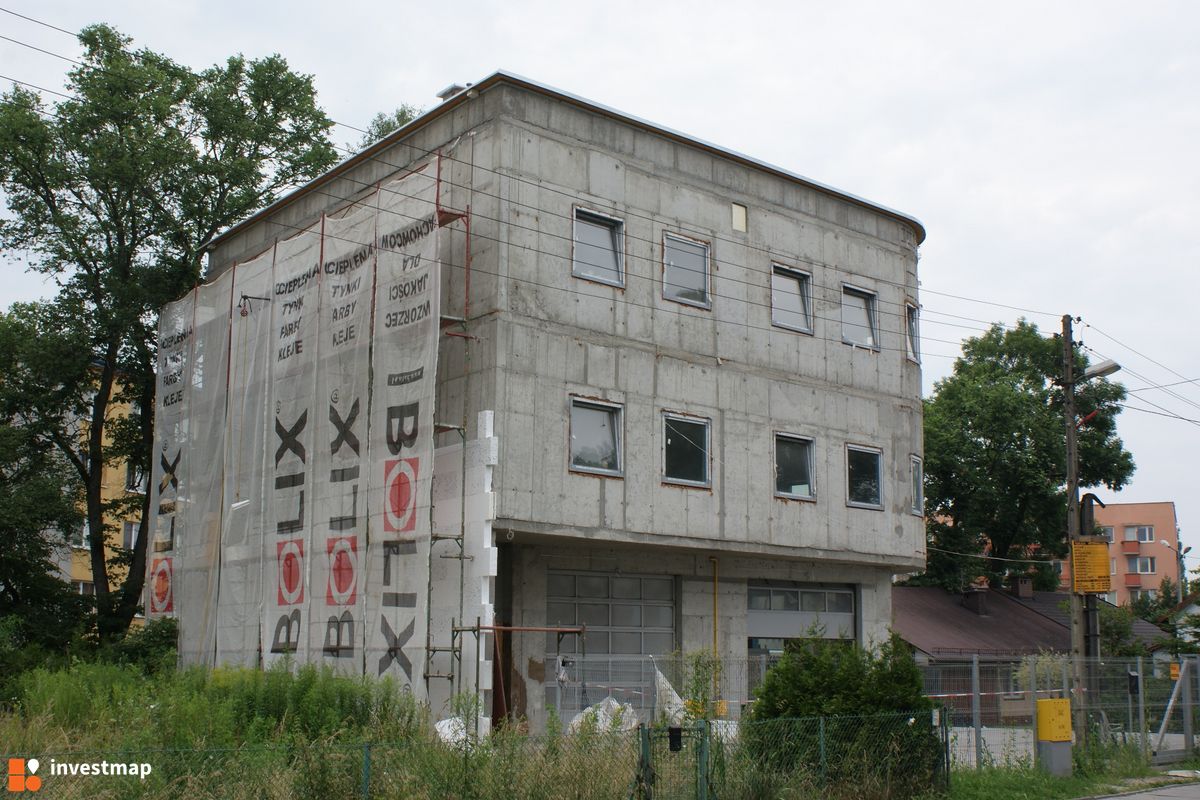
(366, 771)
(1142, 709)
(645, 768)
(1196, 688)
(976, 713)
(702, 761)
(1032, 663)
(821, 749)
(1189, 739)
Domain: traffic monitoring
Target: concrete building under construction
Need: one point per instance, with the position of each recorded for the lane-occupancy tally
(705, 379)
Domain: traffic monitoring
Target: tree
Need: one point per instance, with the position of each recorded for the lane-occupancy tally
(116, 193)
(39, 509)
(995, 456)
(382, 124)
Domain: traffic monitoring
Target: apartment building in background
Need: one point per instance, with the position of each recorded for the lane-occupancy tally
(705, 373)
(118, 482)
(1144, 547)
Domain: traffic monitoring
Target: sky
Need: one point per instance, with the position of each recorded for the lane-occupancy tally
(1050, 149)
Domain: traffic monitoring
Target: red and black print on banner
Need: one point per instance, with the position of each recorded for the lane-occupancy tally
(340, 466)
(295, 298)
(175, 327)
(406, 325)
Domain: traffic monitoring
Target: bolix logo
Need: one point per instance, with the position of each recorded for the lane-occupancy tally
(22, 775)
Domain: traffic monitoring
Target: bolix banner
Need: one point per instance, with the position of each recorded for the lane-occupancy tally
(294, 446)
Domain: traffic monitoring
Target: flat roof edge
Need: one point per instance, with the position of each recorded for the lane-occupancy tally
(503, 77)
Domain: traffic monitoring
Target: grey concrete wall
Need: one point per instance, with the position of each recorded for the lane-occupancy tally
(694, 601)
(564, 335)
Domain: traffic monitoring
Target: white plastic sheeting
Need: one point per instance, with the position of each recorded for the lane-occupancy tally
(606, 716)
(294, 422)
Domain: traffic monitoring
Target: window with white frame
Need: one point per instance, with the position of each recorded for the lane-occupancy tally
(791, 299)
(685, 449)
(595, 436)
(864, 476)
(599, 253)
(859, 323)
(794, 466)
(1112, 566)
(79, 536)
(128, 534)
(685, 270)
(1139, 533)
(917, 475)
(1142, 565)
(85, 588)
(1138, 594)
(1105, 532)
(912, 332)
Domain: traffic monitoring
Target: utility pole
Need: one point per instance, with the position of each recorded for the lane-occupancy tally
(1078, 618)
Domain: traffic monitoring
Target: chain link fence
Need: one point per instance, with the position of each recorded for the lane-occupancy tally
(896, 755)
(1141, 703)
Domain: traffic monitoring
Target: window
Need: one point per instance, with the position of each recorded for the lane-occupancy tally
(1138, 594)
(912, 332)
(599, 253)
(1142, 565)
(595, 437)
(1105, 532)
(1139, 533)
(685, 449)
(791, 299)
(858, 317)
(793, 466)
(917, 476)
(85, 588)
(685, 270)
(738, 215)
(79, 536)
(1112, 566)
(864, 476)
(135, 479)
(128, 534)
(628, 617)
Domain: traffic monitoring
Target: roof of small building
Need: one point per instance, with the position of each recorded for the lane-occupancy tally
(503, 77)
(939, 624)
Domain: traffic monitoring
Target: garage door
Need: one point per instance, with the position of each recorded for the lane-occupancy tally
(628, 617)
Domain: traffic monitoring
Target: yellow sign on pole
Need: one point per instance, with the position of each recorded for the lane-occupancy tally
(1089, 568)
(1054, 720)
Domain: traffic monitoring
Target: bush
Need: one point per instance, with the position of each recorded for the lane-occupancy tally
(878, 724)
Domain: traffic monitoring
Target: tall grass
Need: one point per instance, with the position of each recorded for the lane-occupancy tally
(106, 706)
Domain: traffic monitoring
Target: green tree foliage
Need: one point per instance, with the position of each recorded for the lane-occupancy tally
(876, 723)
(995, 456)
(116, 193)
(39, 509)
(826, 677)
(382, 124)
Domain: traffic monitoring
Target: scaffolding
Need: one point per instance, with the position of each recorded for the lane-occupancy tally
(455, 327)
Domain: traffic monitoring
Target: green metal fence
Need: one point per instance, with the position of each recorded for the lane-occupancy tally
(884, 756)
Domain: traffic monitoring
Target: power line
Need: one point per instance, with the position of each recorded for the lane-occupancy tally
(1162, 386)
(1159, 413)
(993, 558)
(542, 187)
(813, 314)
(1141, 377)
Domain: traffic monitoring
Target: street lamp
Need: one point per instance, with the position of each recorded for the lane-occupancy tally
(1179, 554)
(1085, 627)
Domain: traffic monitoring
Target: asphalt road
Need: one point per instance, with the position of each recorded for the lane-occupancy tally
(1190, 791)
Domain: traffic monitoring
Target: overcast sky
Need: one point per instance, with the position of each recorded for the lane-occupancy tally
(1049, 148)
